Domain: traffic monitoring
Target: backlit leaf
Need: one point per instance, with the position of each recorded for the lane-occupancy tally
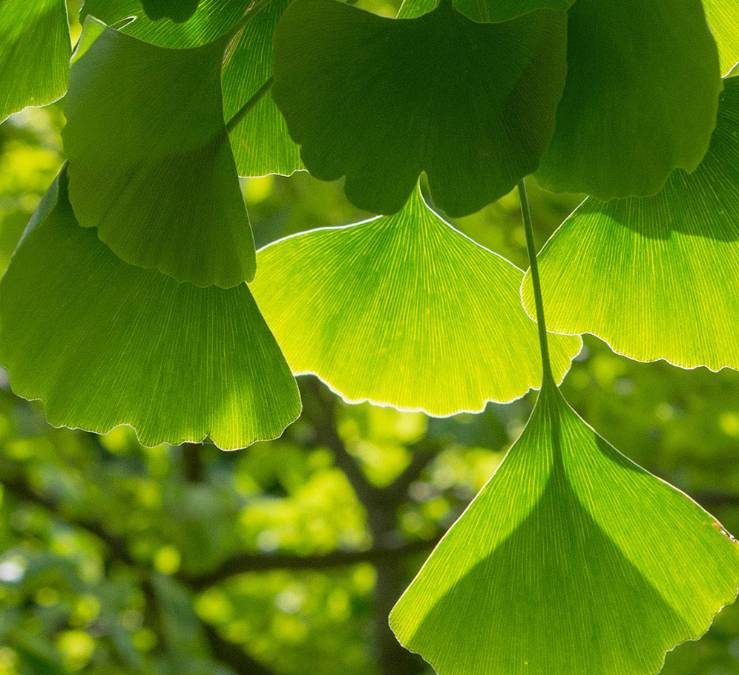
(150, 163)
(260, 140)
(381, 100)
(723, 18)
(656, 277)
(103, 343)
(571, 561)
(642, 88)
(212, 19)
(35, 49)
(405, 311)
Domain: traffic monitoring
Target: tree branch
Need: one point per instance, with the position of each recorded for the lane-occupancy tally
(261, 562)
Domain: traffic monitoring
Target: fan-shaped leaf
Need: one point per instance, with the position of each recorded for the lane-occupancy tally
(259, 137)
(381, 100)
(35, 48)
(150, 163)
(212, 19)
(103, 343)
(640, 101)
(723, 18)
(570, 561)
(656, 277)
(403, 310)
(177, 10)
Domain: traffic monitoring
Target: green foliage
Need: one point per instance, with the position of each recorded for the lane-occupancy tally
(177, 10)
(657, 277)
(102, 343)
(445, 310)
(125, 303)
(379, 100)
(593, 545)
(163, 190)
(35, 49)
(640, 100)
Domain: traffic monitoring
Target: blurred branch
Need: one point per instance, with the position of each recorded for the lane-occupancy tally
(232, 654)
(192, 461)
(424, 453)
(260, 562)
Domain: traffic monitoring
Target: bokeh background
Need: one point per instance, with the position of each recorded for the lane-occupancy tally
(285, 558)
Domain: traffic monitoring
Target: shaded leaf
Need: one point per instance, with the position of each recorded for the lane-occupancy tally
(212, 19)
(103, 343)
(568, 536)
(381, 100)
(723, 18)
(485, 10)
(150, 164)
(640, 99)
(403, 311)
(35, 48)
(656, 277)
(177, 10)
(259, 137)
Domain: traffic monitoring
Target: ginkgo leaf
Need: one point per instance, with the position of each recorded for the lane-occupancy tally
(723, 18)
(150, 163)
(35, 48)
(177, 10)
(484, 10)
(405, 311)
(656, 277)
(381, 100)
(212, 19)
(572, 560)
(259, 137)
(103, 343)
(642, 88)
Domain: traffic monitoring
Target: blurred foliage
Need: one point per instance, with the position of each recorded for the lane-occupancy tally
(114, 558)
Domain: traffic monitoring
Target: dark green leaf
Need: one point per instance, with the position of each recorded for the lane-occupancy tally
(177, 10)
(381, 100)
(642, 91)
(150, 163)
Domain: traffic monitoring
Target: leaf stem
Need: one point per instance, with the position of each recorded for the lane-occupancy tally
(547, 377)
(244, 110)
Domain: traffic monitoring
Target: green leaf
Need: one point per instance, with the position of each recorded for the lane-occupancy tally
(259, 137)
(640, 101)
(35, 48)
(723, 18)
(212, 19)
(381, 100)
(656, 277)
(177, 10)
(484, 10)
(103, 343)
(405, 311)
(571, 561)
(150, 163)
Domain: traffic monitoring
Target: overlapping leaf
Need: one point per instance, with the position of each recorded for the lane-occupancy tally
(571, 561)
(723, 18)
(150, 161)
(657, 277)
(259, 137)
(35, 49)
(102, 343)
(403, 310)
(177, 10)
(485, 10)
(380, 100)
(211, 20)
(642, 88)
